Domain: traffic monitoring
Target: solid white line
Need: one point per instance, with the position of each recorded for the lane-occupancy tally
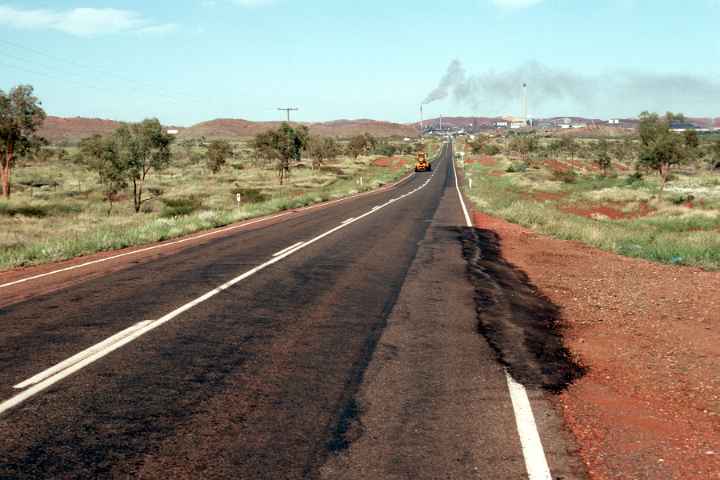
(80, 356)
(532, 449)
(348, 220)
(468, 221)
(287, 249)
(100, 350)
(206, 234)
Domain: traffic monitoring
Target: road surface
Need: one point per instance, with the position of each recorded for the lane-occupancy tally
(342, 343)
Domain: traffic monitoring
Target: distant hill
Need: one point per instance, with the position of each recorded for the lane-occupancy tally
(72, 130)
(59, 129)
(235, 128)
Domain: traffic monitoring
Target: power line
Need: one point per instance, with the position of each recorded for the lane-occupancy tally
(288, 110)
(63, 62)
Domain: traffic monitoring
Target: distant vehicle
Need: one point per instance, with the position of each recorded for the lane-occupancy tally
(422, 164)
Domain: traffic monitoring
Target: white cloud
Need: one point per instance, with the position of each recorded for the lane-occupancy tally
(84, 22)
(515, 3)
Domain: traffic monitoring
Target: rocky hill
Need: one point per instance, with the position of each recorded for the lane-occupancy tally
(59, 129)
(71, 130)
(237, 128)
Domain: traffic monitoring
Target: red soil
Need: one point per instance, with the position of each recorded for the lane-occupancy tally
(557, 166)
(620, 167)
(485, 160)
(390, 162)
(649, 406)
(545, 196)
(609, 211)
(496, 173)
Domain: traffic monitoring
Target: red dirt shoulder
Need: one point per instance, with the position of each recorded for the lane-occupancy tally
(649, 406)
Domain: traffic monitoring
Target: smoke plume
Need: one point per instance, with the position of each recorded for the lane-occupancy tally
(454, 76)
(624, 92)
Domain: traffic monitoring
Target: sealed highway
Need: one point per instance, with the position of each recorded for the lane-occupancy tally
(322, 345)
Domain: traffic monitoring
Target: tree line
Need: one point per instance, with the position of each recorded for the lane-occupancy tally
(656, 147)
(126, 158)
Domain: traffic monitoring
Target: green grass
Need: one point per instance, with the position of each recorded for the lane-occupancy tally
(671, 233)
(46, 224)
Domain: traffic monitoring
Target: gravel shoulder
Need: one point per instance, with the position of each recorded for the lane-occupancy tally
(649, 403)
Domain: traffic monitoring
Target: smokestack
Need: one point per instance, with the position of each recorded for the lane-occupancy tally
(525, 104)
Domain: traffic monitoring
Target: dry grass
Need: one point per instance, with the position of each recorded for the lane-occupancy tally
(69, 218)
(680, 227)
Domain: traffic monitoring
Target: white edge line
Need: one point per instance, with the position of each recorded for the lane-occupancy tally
(530, 443)
(347, 221)
(532, 449)
(100, 350)
(206, 234)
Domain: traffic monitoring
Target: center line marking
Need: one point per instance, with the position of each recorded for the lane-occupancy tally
(287, 249)
(77, 362)
(203, 235)
(80, 356)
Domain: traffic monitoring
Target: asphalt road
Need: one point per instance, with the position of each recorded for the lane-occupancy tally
(356, 355)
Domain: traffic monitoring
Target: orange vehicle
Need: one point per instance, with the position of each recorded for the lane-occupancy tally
(422, 164)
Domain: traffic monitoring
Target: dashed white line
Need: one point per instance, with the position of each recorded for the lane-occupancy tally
(532, 449)
(52, 375)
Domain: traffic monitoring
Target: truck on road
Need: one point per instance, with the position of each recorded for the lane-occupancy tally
(422, 164)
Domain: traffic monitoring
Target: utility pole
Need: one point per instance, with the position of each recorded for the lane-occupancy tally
(288, 110)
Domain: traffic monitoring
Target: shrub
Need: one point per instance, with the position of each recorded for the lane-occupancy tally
(176, 207)
(682, 199)
(38, 211)
(569, 176)
(517, 167)
(490, 149)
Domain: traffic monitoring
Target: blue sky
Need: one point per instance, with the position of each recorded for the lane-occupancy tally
(186, 61)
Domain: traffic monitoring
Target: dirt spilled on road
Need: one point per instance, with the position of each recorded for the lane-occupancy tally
(520, 324)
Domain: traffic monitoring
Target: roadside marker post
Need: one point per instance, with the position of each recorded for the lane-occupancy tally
(238, 199)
